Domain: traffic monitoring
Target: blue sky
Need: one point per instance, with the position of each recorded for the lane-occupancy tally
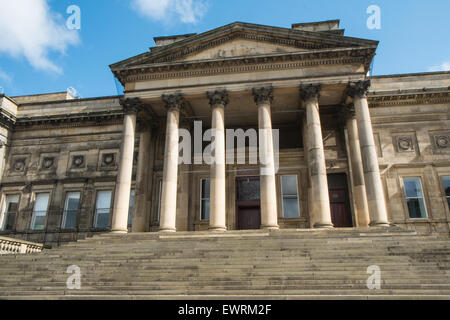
(41, 55)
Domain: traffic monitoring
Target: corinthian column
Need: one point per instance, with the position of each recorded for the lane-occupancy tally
(170, 176)
(269, 216)
(359, 187)
(218, 101)
(320, 206)
(374, 188)
(123, 184)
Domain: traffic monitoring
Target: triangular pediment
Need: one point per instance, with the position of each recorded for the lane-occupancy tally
(241, 40)
(241, 48)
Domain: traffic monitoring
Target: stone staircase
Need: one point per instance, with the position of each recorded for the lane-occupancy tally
(284, 264)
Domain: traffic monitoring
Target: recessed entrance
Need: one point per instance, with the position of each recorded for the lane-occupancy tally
(248, 203)
(339, 201)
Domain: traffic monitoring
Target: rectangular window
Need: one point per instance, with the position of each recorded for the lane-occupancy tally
(204, 199)
(446, 181)
(131, 207)
(40, 211)
(289, 193)
(415, 198)
(71, 208)
(102, 209)
(9, 213)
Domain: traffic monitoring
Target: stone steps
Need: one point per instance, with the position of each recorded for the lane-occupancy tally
(284, 263)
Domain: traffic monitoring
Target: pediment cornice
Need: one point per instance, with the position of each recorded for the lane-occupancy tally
(311, 42)
(284, 61)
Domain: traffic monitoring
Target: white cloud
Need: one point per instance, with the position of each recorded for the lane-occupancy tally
(188, 11)
(444, 66)
(30, 29)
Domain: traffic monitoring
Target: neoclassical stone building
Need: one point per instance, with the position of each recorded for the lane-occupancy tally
(353, 150)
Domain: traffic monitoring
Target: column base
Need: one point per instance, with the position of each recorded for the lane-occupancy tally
(323, 226)
(119, 231)
(168, 230)
(379, 225)
(217, 229)
(270, 227)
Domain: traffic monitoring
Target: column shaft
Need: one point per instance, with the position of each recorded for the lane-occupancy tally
(269, 214)
(359, 187)
(140, 211)
(218, 100)
(170, 173)
(320, 205)
(124, 176)
(374, 187)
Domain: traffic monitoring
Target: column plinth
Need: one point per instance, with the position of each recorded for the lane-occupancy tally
(170, 174)
(269, 215)
(374, 188)
(218, 101)
(124, 175)
(320, 201)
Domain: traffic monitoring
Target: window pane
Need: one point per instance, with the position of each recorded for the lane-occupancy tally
(416, 208)
(205, 209)
(103, 206)
(71, 210)
(40, 211)
(290, 208)
(413, 188)
(289, 185)
(249, 189)
(131, 207)
(446, 181)
(205, 188)
(8, 216)
(41, 203)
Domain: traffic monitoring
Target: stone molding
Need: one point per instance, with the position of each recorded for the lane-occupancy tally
(263, 95)
(359, 89)
(248, 64)
(413, 98)
(218, 97)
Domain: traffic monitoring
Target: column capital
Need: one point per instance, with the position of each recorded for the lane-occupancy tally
(358, 89)
(310, 91)
(173, 101)
(218, 97)
(263, 95)
(348, 111)
(131, 105)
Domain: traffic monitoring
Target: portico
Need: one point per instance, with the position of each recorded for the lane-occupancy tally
(245, 78)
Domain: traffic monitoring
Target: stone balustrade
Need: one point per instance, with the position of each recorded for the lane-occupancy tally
(15, 246)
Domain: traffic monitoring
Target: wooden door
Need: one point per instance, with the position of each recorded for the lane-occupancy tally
(249, 218)
(340, 214)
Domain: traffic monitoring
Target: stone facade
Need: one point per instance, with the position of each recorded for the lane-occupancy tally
(348, 139)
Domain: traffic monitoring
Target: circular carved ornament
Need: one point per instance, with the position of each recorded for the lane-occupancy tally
(404, 144)
(78, 161)
(108, 159)
(19, 166)
(442, 142)
(47, 163)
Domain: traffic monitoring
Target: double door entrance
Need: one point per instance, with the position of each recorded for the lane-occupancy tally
(248, 202)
